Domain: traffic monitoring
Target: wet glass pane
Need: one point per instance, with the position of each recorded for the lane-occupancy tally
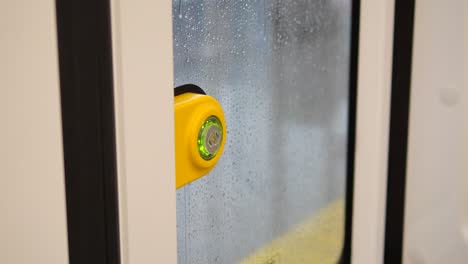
(280, 70)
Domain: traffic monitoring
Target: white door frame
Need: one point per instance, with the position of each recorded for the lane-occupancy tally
(372, 126)
(144, 110)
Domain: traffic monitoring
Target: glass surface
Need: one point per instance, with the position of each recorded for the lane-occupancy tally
(280, 70)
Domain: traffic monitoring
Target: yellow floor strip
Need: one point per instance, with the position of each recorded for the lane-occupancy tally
(318, 240)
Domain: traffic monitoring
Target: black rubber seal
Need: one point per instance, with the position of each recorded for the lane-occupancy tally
(350, 159)
(87, 101)
(353, 95)
(188, 88)
(398, 137)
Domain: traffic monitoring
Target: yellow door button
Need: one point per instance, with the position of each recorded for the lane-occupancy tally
(200, 134)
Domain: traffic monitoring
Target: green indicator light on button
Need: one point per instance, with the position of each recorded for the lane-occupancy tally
(210, 137)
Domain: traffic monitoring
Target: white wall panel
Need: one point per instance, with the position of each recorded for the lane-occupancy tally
(437, 155)
(32, 191)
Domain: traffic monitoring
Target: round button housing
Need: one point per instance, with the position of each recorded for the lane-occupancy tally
(210, 137)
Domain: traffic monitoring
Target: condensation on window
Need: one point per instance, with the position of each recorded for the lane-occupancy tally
(280, 70)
